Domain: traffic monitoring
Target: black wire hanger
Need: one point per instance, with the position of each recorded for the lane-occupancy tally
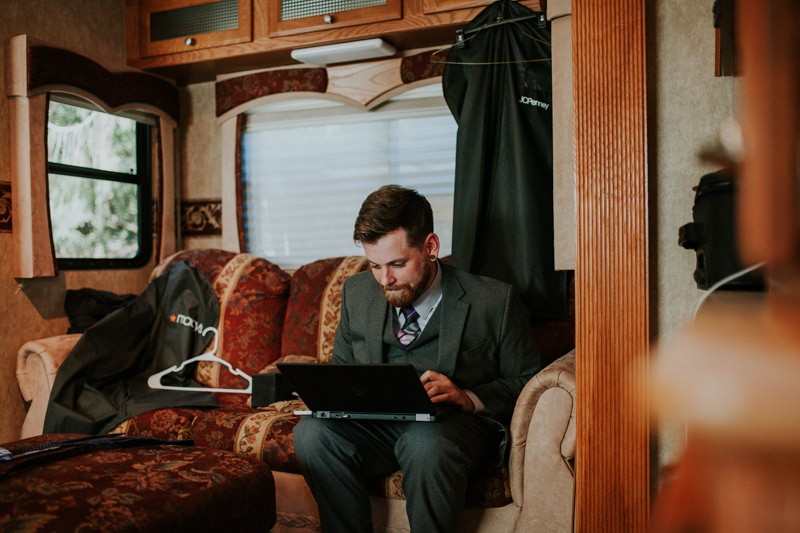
(462, 36)
(501, 19)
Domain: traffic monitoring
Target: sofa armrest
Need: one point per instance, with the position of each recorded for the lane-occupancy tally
(543, 448)
(37, 364)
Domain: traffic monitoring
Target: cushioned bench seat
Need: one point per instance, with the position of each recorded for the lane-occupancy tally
(266, 434)
(162, 487)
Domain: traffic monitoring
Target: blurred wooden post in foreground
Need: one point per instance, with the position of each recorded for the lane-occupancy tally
(733, 373)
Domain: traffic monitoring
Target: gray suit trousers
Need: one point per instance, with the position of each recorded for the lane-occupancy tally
(339, 456)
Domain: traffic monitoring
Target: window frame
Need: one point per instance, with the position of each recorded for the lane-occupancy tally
(142, 179)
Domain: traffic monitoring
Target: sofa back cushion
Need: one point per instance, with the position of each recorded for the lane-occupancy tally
(313, 310)
(209, 261)
(252, 294)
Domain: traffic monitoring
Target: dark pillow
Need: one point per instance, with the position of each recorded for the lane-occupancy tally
(84, 307)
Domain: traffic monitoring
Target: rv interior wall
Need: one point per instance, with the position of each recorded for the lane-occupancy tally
(688, 104)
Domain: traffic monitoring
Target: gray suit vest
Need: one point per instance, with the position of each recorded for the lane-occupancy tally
(423, 353)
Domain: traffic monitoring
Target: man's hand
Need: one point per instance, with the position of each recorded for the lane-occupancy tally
(441, 389)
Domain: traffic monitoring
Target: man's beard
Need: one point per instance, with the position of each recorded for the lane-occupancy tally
(404, 295)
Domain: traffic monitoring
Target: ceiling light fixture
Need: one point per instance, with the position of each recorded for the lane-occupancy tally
(342, 52)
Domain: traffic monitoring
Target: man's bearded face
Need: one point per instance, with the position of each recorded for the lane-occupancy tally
(403, 293)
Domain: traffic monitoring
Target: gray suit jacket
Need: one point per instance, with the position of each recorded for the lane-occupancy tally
(485, 341)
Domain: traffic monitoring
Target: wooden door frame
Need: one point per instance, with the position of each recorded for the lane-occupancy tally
(612, 275)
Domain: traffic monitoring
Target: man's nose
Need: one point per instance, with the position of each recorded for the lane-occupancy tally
(387, 277)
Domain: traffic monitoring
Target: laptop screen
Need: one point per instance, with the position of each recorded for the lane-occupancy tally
(366, 391)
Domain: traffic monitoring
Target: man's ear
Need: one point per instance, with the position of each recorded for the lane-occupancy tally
(431, 246)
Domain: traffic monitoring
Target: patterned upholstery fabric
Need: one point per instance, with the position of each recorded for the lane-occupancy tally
(252, 293)
(170, 424)
(265, 433)
(150, 488)
(310, 302)
(313, 310)
(209, 261)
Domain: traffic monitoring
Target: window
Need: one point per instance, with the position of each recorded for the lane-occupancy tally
(308, 164)
(99, 186)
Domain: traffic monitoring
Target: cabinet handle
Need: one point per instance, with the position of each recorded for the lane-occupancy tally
(328, 19)
(190, 41)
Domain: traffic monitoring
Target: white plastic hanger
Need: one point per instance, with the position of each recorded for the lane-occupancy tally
(154, 381)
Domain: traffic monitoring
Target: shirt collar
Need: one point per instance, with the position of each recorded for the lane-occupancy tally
(429, 299)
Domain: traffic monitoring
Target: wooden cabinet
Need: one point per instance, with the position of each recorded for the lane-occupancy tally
(287, 17)
(173, 26)
(440, 6)
(264, 32)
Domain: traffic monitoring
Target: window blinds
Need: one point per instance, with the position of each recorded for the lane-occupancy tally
(307, 167)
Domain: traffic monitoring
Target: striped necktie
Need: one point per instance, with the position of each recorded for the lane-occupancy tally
(410, 329)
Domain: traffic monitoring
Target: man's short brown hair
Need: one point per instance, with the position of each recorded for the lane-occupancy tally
(392, 207)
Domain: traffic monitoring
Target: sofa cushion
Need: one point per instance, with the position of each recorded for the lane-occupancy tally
(171, 423)
(264, 433)
(312, 313)
(209, 261)
(152, 487)
(252, 293)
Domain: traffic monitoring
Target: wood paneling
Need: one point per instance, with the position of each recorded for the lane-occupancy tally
(612, 330)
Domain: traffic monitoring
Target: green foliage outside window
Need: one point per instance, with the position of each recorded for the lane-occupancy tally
(95, 185)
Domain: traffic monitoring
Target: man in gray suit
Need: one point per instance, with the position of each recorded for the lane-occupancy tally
(469, 339)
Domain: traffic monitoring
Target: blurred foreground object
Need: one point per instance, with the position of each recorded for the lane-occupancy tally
(732, 374)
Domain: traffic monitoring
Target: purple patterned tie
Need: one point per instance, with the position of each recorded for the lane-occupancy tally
(410, 329)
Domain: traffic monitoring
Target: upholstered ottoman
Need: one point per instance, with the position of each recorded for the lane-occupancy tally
(139, 486)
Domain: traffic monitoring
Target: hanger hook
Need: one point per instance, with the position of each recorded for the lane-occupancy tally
(501, 15)
(216, 337)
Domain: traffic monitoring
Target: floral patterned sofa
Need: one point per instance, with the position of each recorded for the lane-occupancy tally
(268, 315)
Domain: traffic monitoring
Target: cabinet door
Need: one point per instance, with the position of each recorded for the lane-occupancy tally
(440, 6)
(171, 26)
(286, 17)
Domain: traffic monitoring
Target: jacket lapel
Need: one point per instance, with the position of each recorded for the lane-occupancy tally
(453, 320)
(376, 321)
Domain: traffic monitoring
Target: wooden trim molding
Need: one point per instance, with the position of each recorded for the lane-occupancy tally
(769, 223)
(240, 124)
(612, 279)
(366, 84)
(5, 207)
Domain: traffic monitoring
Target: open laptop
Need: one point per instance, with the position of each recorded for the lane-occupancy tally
(360, 391)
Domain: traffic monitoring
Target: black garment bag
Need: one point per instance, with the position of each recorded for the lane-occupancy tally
(103, 380)
(497, 83)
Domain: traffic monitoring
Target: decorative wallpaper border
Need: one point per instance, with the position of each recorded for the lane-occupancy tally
(5, 207)
(54, 66)
(201, 217)
(233, 92)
